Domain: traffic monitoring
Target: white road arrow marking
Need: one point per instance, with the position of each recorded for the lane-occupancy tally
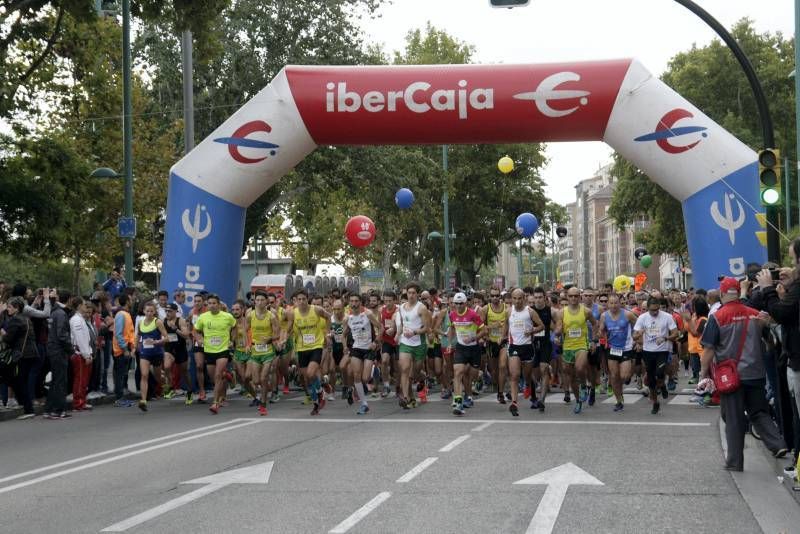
(557, 480)
(254, 474)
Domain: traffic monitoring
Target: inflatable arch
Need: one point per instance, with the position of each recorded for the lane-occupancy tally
(711, 172)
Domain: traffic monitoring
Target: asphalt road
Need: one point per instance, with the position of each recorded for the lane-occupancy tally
(390, 471)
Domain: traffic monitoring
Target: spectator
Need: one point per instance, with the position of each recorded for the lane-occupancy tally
(59, 348)
(30, 311)
(180, 300)
(782, 302)
(19, 336)
(735, 332)
(162, 298)
(83, 353)
(712, 297)
(115, 285)
(123, 343)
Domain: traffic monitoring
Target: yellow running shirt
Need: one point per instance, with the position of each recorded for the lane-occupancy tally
(309, 330)
(574, 330)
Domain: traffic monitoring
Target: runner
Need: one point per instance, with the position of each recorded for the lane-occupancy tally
(241, 343)
(213, 334)
(446, 379)
(285, 348)
(542, 345)
(466, 326)
(495, 315)
(365, 328)
(523, 323)
(340, 358)
(615, 325)
(178, 333)
(655, 330)
(390, 318)
(263, 333)
(415, 318)
(575, 335)
(198, 309)
(151, 337)
(309, 332)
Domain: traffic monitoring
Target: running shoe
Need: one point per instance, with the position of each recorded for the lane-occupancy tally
(567, 398)
(362, 410)
(254, 403)
(446, 394)
(592, 396)
(478, 385)
(307, 400)
(487, 379)
(584, 394)
(692, 381)
(664, 392)
(404, 404)
(458, 410)
(672, 384)
(228, 376)
(385, 392)
(534, 404)
(321, 400)
(262, 410)
(609, 391)
(578, 407)
(188, 400)
(423, 395)
(790, 470)
(285, 387)
(169, 394)
(541, 406)
(349, 395)
(618, 407)
(201, 397)
(315, 409)
(514, 409)
(413, 403)
(276, 396)
(598, 389)
(508, 395)
(214, 408)
(527, 392)
(64, 415)
(143, 405)
(656, 407)
(468, 402)
(501, 398)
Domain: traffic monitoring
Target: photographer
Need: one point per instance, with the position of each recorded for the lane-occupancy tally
(782, 302)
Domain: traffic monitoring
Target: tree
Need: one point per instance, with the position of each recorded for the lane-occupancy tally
(712, 80)
(31, 29)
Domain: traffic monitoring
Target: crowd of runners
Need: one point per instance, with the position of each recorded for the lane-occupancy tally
(516, 344)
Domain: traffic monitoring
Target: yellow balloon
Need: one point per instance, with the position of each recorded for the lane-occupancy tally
(622, 283)
(505, 164)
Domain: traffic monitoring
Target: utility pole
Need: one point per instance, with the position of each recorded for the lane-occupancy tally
(127, 134)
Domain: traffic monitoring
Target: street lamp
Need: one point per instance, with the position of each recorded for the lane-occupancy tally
(438, 235)
(126, 225)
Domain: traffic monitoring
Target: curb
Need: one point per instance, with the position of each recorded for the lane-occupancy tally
(8, 414)
(769, 499)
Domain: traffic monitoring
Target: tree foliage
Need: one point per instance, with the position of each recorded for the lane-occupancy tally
(711, 79)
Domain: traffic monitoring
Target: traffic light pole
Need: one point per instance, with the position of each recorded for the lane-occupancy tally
(767, 132)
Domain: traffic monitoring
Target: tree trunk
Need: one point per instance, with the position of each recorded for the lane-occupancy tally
(76, 272)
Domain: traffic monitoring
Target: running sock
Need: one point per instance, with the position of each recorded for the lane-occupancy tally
(363, 394)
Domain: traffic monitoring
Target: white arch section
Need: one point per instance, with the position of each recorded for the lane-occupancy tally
(711, 172)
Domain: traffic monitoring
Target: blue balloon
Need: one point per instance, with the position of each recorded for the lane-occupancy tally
(527, 224)
(404, 198)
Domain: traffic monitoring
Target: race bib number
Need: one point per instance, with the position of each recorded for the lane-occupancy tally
(388, 323)
(262, 347)
(148, 343)
(615, 352)
(408, 332)
(495, 332)
(361, 337)
(539, 334)
(172, 338)
(309, 339)
(574, 333)
(518, 325)
(214, 341)
(337, 338)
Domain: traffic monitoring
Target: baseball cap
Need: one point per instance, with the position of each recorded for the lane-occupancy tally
(459, 298)
(730, 286)
(172, 306)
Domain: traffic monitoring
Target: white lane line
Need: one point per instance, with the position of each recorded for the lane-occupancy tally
(419, 468)
(118, 449)
(360, 514)
(122, 526)
(455, 443)
(122, 456)
(484, 426)
(394, 421)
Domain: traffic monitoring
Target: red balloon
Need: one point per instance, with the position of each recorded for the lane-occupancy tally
(360, 231)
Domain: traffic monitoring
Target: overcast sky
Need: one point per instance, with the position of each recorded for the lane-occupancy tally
(568, 30)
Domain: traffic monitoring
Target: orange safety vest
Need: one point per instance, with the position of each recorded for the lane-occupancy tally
(127, 333)
(694, 341)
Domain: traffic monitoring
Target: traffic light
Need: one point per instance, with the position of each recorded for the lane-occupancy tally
(509, 3)
(769, 177)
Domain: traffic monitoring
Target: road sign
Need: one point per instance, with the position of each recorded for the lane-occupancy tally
(126, 227)
(254, 474)
(557, 480)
